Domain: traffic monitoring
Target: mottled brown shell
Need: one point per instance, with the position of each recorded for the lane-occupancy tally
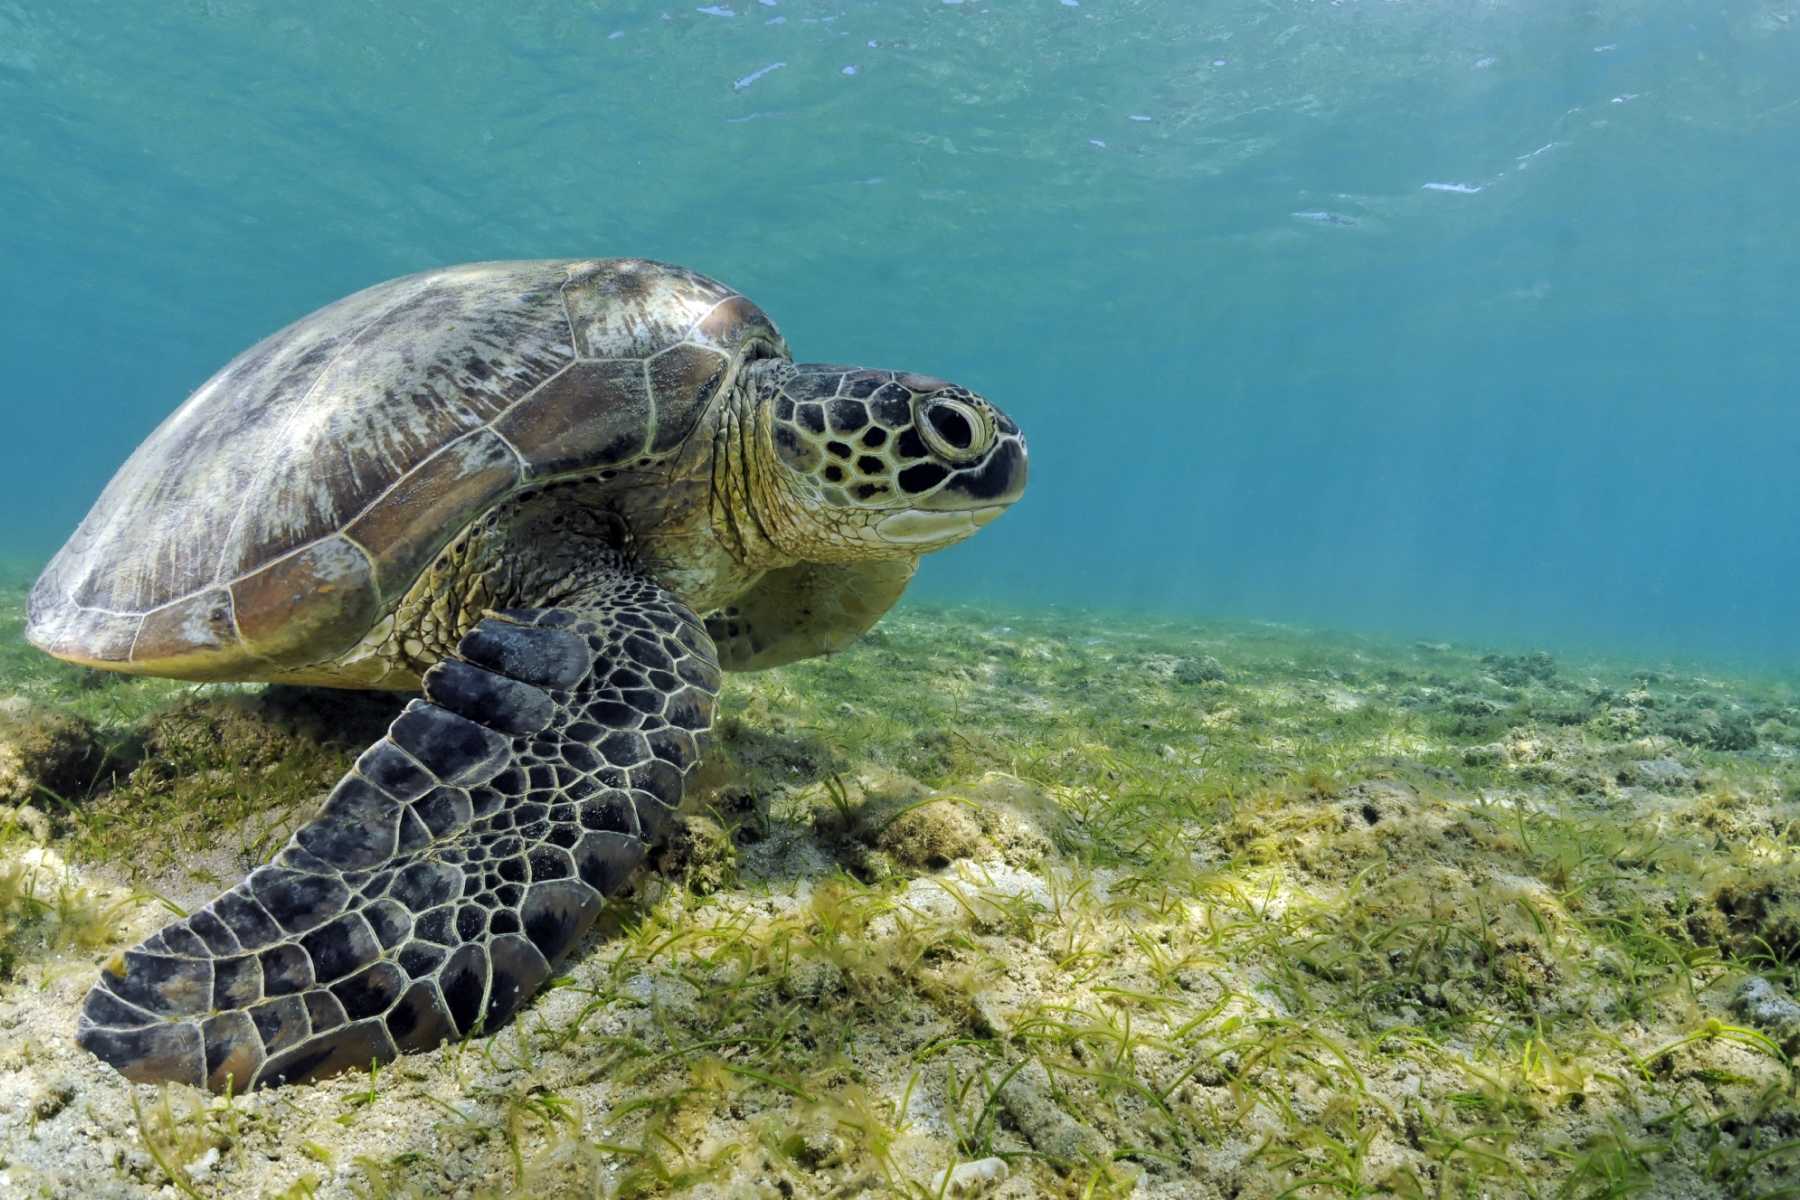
(291, 501)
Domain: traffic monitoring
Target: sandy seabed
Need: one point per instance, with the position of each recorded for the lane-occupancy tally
(1011, 905)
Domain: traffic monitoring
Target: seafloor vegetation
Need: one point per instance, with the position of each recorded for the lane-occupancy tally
(1009, 904)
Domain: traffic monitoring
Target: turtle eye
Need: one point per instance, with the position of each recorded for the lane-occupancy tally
(955, 429)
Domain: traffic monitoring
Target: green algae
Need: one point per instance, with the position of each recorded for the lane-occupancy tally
(1193, 909)
(44, 910)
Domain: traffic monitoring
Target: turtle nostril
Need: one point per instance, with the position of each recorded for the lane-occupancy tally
(952, 426)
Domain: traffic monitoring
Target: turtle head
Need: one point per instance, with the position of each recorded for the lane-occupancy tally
(881, 463)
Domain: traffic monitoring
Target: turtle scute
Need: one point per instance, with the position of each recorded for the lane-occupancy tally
(299, 495)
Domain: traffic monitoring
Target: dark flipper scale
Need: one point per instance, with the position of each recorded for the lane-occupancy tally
(460, 857)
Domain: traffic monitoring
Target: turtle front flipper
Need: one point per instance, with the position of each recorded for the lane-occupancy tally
(449, 869)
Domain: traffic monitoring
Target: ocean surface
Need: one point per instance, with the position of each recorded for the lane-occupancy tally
(1463, 321)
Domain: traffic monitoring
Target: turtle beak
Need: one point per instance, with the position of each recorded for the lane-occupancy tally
(1020, 460)
(986, 516)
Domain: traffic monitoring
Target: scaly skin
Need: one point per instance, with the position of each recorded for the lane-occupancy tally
(754, 492)
(702, 527)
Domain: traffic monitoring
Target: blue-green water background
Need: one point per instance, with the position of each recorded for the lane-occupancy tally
(1267, 367)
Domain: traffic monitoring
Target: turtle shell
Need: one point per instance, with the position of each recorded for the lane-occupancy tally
(275, 516)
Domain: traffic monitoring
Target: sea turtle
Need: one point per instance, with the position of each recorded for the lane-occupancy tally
(512, 486)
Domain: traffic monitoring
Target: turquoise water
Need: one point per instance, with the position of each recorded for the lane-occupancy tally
(1457, 320)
